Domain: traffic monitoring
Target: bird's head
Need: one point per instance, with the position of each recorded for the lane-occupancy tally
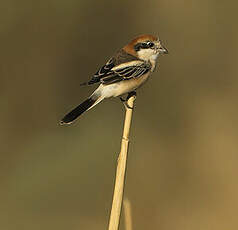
(146, 47)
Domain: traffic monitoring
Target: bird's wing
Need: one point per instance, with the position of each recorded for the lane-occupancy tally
(102, 72)
(126, 71)
(122, 66)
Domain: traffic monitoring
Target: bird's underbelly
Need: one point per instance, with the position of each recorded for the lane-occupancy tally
(123, 87)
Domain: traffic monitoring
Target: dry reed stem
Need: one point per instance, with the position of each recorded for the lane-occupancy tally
(121, 169)
(127, 214)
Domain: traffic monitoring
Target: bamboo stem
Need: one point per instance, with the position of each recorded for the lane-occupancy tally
(121, 170)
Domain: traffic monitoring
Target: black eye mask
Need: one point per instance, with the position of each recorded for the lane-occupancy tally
(143, 45)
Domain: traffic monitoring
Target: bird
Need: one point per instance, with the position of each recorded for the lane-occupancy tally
(124, 73)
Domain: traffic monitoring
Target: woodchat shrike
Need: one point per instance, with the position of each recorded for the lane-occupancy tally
(124, 73)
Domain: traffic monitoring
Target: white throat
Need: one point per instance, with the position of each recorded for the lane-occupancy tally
(148, 55)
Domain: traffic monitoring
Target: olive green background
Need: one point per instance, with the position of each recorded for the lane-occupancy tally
(182, 166)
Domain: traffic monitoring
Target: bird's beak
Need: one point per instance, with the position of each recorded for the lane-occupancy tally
(163, 50)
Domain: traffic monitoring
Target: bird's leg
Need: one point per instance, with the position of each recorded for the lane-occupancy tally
(124, 101)
(131, 94)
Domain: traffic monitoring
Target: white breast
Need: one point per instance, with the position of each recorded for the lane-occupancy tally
(122, 87)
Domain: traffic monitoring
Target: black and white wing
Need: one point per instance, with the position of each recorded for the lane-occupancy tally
(121, 67)
(126, 71)
(102, 72)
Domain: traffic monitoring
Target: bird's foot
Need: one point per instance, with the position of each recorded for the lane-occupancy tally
(125, 101)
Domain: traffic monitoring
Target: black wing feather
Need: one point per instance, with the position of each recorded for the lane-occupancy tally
(112, 79)
(103, 72)
(126, 73)
(107, 74)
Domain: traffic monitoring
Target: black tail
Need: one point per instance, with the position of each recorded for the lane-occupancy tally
(71, 116)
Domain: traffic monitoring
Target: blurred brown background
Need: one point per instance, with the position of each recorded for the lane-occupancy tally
(182, 168)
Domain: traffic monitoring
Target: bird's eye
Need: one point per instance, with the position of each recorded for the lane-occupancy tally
(144, 45)
(150, 44)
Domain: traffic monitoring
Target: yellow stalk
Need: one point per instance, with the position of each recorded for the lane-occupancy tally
(121, 170)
